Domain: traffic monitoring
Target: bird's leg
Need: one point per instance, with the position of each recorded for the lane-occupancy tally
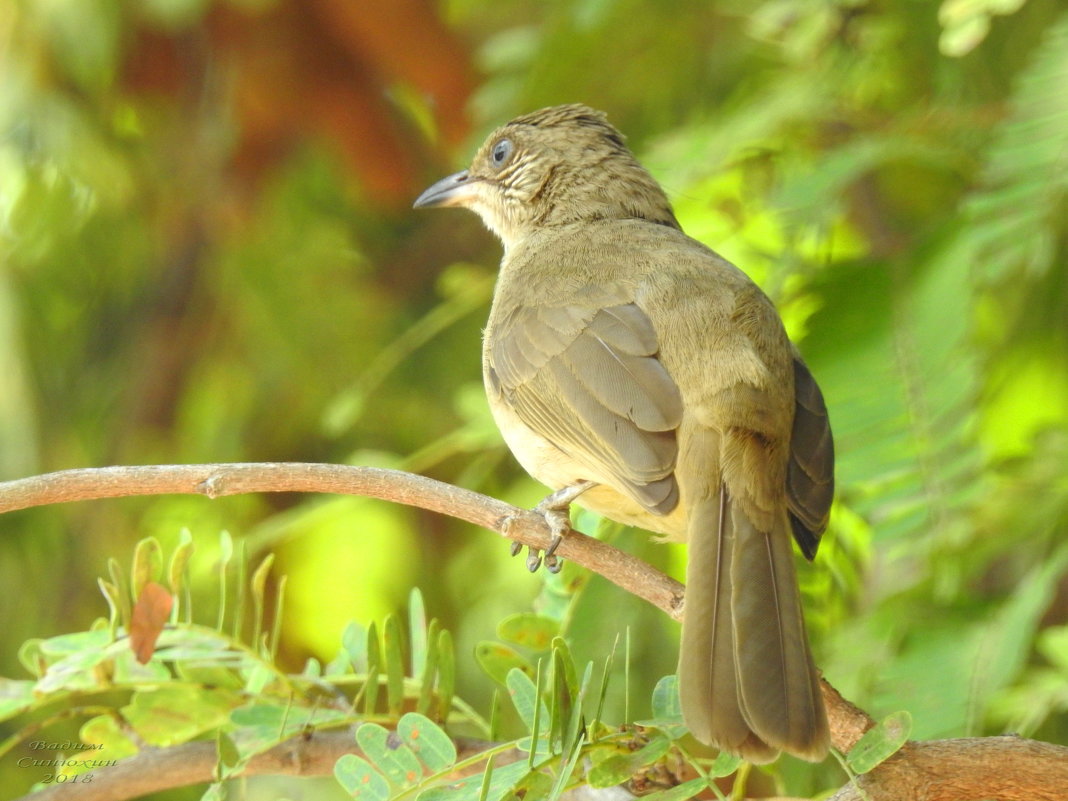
(555, 508)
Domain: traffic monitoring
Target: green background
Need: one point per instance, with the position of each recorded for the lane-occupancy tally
(207, 254)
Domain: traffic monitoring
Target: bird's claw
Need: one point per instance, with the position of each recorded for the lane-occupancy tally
(555, 508)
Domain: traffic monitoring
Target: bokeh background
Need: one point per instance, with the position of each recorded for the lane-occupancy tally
(207, 254)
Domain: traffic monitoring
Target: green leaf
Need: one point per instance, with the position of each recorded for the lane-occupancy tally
(80, 642)
(417, 630)
(446, 684)
(667, 711)
(428, 741)
(880, 743)
(241, 597)
(179, 562)
(537, 784)
(229, 758)
(374, 665)
(81, 654)
(259, 589)
(260, 726)
(536, 742)
(276, 630)
(497, 660)
(147, 565)
(665, 701)
(487, 780)
(226, 546)
(724, 765)
(209, 675)
(563, 695)
(495, 716)
(430, 668)
(622, 767)
(524, 695)
(575, 721)
(529, 630)
(226, 553)
(104, 731)
(389, 754)
(32, 657)
(605, 675)
(502, 784)
(118, 579)
(568, 771)
(174, 714)
(111, 595)
(15, 696)
(257, 677)
(680, 792)
(394, 666)
(360, 780)
(354, 643)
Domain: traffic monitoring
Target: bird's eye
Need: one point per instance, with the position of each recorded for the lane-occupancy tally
(500, 153)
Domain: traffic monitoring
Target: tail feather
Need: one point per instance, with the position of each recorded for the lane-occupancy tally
(778, 683)
(746, 678)
(708, 678)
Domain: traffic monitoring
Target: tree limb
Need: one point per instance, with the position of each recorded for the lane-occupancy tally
(217, 480)
(1006, 768)
(156, 769)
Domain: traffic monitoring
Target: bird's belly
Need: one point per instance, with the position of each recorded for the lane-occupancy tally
(556, 469)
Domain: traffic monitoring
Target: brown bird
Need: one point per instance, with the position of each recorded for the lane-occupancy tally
(630, 362)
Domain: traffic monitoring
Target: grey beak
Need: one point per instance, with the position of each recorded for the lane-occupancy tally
(454, 190)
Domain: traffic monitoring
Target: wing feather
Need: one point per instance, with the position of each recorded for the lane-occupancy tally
(588, 380)
(810, 473)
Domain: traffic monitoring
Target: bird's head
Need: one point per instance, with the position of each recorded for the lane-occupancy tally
(555, 166)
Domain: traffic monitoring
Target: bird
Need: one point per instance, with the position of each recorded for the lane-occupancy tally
(634, 370)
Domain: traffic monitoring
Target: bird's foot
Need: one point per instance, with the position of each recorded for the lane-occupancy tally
(555, 508)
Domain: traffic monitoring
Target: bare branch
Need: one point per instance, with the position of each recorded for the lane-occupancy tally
(1007, 768)
(217, 480)
(521, 525)
(156, 769)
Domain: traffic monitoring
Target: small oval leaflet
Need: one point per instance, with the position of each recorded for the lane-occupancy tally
(427, 741)
(880, 743)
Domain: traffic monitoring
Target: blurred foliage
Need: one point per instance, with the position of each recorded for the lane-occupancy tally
(205, 255)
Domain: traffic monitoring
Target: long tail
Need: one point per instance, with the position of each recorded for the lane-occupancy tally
(746, 678)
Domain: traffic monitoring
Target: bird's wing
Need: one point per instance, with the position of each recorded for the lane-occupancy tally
(810, 474)
(586, 377)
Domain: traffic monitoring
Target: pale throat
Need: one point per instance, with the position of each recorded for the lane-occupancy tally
(506, 229)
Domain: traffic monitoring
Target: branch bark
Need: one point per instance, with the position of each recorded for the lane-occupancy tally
(156, 769)
(1006, 768)
(217, 480)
